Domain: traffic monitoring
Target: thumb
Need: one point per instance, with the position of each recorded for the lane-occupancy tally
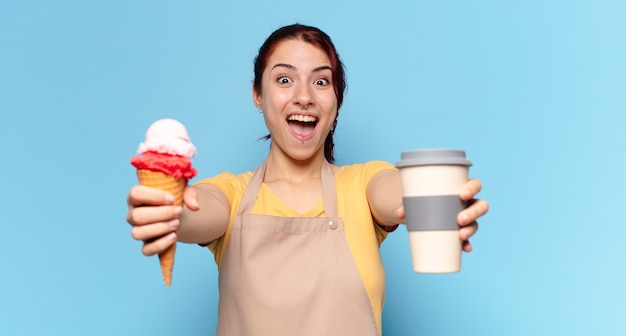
(400, 213)
(190, 198)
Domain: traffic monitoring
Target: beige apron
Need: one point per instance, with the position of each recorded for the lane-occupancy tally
(291, 275)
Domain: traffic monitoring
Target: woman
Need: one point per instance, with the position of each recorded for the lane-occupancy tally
(297, 240)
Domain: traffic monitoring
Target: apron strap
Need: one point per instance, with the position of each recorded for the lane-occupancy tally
(252, 190)
(329, 193)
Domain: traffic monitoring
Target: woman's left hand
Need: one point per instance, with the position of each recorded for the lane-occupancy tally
(467, 218)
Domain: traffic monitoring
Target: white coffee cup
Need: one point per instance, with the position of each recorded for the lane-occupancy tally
(432, 180)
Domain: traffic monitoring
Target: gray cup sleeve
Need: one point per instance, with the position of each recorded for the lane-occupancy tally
(429, 213)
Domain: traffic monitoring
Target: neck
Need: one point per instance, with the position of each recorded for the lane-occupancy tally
(282, 167)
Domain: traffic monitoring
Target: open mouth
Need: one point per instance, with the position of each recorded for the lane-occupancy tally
(302, 125)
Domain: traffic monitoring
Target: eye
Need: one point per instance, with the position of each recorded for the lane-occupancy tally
(322, 82)
(283, 80)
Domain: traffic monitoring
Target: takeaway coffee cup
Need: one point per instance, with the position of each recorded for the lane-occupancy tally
(431, 183)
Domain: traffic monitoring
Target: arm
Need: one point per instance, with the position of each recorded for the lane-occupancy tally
(384, 194)
(206, 214)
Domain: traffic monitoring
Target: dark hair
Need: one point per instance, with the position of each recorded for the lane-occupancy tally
(319, 39)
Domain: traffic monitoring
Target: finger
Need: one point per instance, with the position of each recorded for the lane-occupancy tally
(473, 212)
(190, 198)
(158, 245)
(143, 195)
(466, 232)
(152, 231)
(153, 214)
(467, 247)
(400, 213)
(470, 189)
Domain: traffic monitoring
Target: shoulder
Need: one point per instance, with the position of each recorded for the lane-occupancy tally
(227, 177)
(365, 171)
(231, 184)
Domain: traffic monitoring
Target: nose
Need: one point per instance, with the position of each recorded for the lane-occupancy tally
(303, 95)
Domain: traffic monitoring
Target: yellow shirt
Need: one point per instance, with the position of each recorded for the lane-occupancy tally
(362, 234)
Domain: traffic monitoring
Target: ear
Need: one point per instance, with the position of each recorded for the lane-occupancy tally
(256, 98)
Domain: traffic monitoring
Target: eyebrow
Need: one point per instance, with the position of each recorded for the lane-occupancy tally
(291, 67)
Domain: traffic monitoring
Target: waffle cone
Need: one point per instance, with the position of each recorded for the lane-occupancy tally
(175, 187)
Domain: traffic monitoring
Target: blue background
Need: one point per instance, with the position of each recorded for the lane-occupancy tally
(534, 91)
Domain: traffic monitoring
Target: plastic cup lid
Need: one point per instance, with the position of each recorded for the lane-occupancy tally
(423, 157)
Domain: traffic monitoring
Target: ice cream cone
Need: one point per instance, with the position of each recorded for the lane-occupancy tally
(175, 187)
(164, 163)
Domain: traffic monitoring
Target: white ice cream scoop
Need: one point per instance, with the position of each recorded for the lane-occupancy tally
(168, 136)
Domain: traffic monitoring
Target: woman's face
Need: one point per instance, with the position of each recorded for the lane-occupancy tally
(298, 99)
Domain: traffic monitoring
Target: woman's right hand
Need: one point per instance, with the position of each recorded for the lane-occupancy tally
(154, 218)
